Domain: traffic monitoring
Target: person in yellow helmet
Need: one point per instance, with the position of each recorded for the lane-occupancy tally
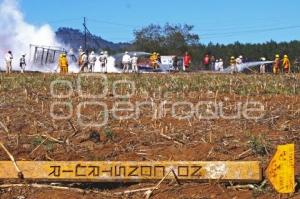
(276, 65)
(154, 60)
(286, 64)
(63, 63)
(233, 64)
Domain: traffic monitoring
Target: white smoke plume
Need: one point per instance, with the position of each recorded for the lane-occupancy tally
(16, 34)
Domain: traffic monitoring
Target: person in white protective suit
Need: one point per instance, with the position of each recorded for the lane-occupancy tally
(126, 62)
(22, 63)
(8, 61)
(103, 62)
(216, 68)
(239, 60)
(263, 66)
(92, 61)
(106, 60)
(134, 62)
(221, 65)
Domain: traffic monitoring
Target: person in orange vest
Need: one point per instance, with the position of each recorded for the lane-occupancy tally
(63, 64)
(276, 65)
(286, 64)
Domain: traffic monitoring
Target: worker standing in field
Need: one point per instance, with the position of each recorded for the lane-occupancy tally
(187, 60)
(221, 65)
(233, 64)
(276, 65)
(126, 62)
(212, 63)
(134, 62)
(83, 62)
(175, 63)
(92, 61)
(263, 66)
(154, 60)
(286, 64)
(216, 68)
(22, 63)
(103, 61)
(206, 61)
(8, 61)
(63, 64)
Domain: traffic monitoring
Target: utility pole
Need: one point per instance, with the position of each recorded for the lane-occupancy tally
(85, 34)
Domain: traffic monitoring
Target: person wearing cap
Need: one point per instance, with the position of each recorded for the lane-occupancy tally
(22, 63)
(8, 61)
(126, 62)
(276, 65)
(286, 64)
(263, 66)
(134, 62)
(63, 64)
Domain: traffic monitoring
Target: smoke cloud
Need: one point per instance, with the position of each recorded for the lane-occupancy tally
(16, 34)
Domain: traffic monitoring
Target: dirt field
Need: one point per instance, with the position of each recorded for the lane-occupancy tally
(25, 110)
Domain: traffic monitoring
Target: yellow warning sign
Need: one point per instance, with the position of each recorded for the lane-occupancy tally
(133, 171)
(281, 170)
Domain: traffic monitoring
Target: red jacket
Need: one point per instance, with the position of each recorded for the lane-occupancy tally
(187, 60)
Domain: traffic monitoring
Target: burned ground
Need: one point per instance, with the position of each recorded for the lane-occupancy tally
(27, 119)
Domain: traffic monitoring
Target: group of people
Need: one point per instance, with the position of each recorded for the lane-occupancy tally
(279, 64)
(9, 59)
(127, 60)
(283, 64)
(187, 60)
(87, 61)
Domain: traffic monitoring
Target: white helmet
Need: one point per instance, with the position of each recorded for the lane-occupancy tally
(217, 60)
(101, 53)
(263, 59)
(221, 60)
(105, 52)
(92, 53)
(126, 52)
(134, 54)
(241, 57)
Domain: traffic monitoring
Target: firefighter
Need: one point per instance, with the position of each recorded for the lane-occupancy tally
(126, 62)
(103, 62)
(154, 60)
(233, 64)
(263, 66)
(83, 62)
(8, 61)
(134, 62)
(22, 63)
(276, 65)
(63, 63)
(221, 65)
(286, 64)
(92, 61)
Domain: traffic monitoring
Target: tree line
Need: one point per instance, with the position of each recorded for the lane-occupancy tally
(177, 39)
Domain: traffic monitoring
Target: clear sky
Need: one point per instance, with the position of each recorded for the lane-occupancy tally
(223, 21)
